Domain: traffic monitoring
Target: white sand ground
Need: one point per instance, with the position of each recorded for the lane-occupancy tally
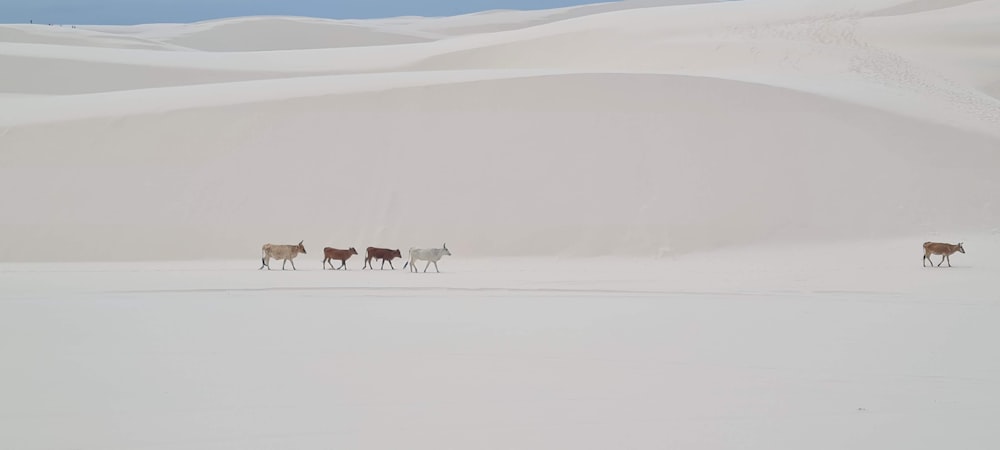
(846, 345)
(674, 225)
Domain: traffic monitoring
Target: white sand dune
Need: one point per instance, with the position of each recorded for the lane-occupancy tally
(958, 39)
(258, 34)
(506, 20)
(753, 41)
(77, 37)
(919, 6)
(496, 167)
(47, 76)
(639, 130)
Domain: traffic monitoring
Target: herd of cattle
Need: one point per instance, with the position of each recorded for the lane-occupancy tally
(287, 253)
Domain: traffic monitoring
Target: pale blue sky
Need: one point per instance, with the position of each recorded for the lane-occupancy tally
(146, 11)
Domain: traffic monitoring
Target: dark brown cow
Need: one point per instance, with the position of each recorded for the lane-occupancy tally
(330, 254)
(384, 254)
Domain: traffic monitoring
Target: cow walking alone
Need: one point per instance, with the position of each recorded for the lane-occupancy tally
(939, 248)
(285, 253)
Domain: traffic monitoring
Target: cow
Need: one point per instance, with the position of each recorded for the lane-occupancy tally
(384, 254)
(285, 253)
(330, 254)
(939, 248)
(431, 255)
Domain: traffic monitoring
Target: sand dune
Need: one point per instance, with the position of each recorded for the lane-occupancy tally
(259, 34)
(919, 6)
(530, 166)
(843, 56)
(957, 39)
(506, 20)
(71, 36)
(48, 76)
(628, 129)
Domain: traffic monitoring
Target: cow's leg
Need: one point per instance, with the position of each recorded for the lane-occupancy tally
(948, 257)
(293, 264)
(343, 264)
(390, 264)
(924, 261)
(283, 262)
(263, 264)
(383, 264)
(426, 266)
(436, 267)
(942, 261)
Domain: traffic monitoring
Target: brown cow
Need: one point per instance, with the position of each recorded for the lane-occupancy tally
(330, 254)
(938, 248)
(384, 254)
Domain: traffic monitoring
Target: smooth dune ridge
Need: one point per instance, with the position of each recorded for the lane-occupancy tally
(630, 128)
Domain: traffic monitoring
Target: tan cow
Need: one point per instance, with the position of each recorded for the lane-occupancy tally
(285, 253)
(939, 248)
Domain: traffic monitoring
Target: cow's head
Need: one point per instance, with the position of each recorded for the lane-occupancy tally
(353, 251)
(397, 254)
(301, 248)
(445, 247)
(960, 248)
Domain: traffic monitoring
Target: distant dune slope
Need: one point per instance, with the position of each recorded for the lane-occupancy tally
(569, 165)
(43, 76)
(284, 34)
(64, 35)
(919, 6)
(629, 129)
(506, 20)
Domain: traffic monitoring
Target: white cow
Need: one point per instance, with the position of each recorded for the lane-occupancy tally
(284, 252)
(431, 255)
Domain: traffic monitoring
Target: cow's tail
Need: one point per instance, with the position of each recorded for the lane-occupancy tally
(409, 257)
